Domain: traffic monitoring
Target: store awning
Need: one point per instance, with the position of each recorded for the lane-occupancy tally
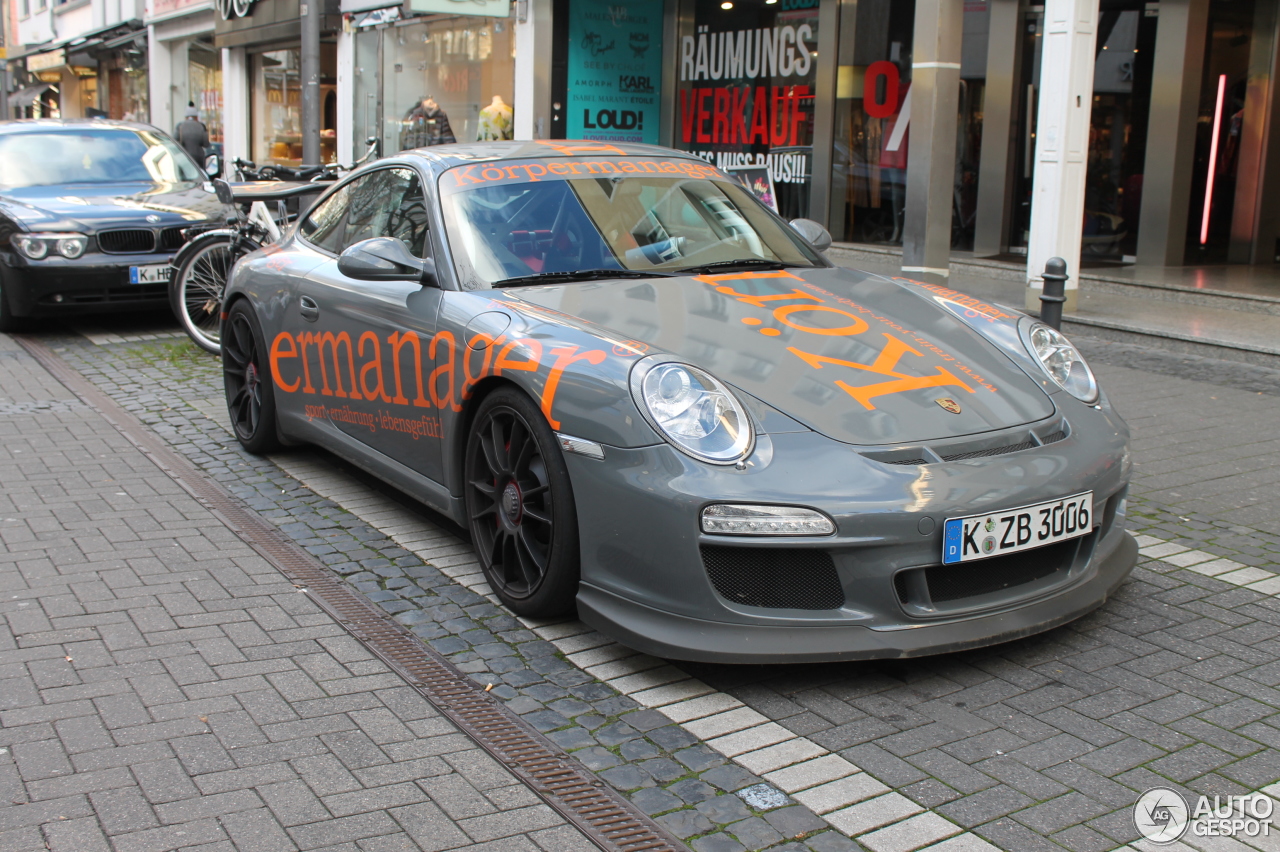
(28, 96)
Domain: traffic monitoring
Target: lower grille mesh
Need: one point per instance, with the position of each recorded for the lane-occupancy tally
(972, 579)
(778, 578)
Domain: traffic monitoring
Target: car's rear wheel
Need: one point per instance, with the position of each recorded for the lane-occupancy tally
(520, 505)
(246, 376)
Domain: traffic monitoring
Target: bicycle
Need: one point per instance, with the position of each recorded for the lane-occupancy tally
(201, 266)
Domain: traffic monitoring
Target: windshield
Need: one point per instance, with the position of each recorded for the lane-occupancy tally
(92, 155)
(515, 219)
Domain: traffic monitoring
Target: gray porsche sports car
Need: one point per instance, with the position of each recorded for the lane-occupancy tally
(647, 396)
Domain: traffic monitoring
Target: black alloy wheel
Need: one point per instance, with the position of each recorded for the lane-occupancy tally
(246, 377)
(520, 505)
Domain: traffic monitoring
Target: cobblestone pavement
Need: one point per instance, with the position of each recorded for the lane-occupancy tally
(1039, 744)
(164, 687)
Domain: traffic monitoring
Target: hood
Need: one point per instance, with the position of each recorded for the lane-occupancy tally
(856, 357)
(91, 208)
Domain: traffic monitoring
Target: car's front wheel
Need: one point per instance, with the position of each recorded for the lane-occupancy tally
(246, 376)
(520, 505)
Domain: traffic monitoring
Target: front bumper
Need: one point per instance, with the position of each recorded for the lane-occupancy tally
(94, 283)
(654, 581)
(677, 637)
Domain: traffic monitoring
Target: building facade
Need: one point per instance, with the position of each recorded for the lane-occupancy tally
(825, 107)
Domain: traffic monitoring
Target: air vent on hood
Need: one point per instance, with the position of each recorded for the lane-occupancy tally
(981, 447)
(130, 241)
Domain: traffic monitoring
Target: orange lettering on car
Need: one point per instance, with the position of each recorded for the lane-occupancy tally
(502, 362)
(398, 340)
(886, 364)
(565, 356)
(486, 356)
(277, 355)
(449, 369)
(379, 391)
(331, 340)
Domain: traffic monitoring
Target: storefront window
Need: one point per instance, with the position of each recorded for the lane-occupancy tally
(870, 158)
(1125, 48)
(365, 88)
(204, 81)
(277, 105)
(447, 79)
(745, 98)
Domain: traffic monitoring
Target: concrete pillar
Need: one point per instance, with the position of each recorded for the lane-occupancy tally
(346, 97)
(1171, 143)
(1062, 142)
(159, 82)
(934, 100)
(1000, 104)
(533, 69)
(235, 104)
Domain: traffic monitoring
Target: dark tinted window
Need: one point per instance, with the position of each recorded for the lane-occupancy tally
(93, 155)
(385, 203)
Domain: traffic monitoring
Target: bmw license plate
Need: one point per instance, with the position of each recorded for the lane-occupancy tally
(1012, 530)
(156, 273)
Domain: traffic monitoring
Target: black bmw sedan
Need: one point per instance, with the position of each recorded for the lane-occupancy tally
(91, 212)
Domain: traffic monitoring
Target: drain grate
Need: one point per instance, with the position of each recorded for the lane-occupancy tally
(602, 814)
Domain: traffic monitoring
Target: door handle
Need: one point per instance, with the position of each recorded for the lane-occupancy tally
(309, 309)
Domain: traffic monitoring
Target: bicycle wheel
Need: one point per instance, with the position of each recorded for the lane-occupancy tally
(196, 291)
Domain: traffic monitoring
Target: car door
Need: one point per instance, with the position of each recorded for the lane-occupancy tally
(366, 345)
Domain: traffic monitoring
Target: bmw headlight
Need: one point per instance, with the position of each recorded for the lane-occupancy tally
(693, 410)
(1061, 360)
(40, 246)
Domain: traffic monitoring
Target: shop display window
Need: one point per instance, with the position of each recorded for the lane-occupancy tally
(745, 94)
(277, 105)
(204, 81)
(1122, 73)
(445, 79)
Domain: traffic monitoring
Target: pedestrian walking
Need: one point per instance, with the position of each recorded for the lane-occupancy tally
(192, 135)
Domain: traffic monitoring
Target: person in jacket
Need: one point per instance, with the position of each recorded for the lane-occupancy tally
(193, 136)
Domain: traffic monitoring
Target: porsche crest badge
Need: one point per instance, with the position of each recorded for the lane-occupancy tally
(948, 404)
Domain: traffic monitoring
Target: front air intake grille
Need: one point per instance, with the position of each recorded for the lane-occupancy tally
(1054, 438)
(171, 239)
(991, 451)
(777, 578)
(910, 461)
(133, 241)
(986, 576)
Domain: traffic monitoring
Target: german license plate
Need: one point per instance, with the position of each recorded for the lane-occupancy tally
(1012, 530)
(156, 273)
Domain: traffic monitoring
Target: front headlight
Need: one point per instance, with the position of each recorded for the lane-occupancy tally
(40, 246)
(1062, 361)
(692, 410)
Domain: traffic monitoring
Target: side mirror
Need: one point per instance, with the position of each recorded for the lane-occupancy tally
(213, 166)
(385, 259)
(223, 190)
(817, 235)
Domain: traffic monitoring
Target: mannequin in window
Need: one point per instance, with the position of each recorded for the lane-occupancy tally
(495, 121)
(426, 124)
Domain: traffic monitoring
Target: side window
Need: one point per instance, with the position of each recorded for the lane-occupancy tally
(326, 225)
(408, 219)
(385, 203)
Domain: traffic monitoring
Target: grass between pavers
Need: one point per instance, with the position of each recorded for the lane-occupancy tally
(1145, 515)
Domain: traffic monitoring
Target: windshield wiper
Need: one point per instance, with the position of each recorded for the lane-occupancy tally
(742, 263)
(577, 275)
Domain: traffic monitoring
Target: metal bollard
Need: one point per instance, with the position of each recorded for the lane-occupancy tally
(1053, 295)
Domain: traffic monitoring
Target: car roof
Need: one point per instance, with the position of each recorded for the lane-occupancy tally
(29, 125)
(441, 157)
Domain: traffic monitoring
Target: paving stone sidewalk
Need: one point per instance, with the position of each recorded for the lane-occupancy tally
(163, 687)
(1039, 744)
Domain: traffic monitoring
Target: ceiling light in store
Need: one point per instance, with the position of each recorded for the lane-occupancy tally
(726, 5)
